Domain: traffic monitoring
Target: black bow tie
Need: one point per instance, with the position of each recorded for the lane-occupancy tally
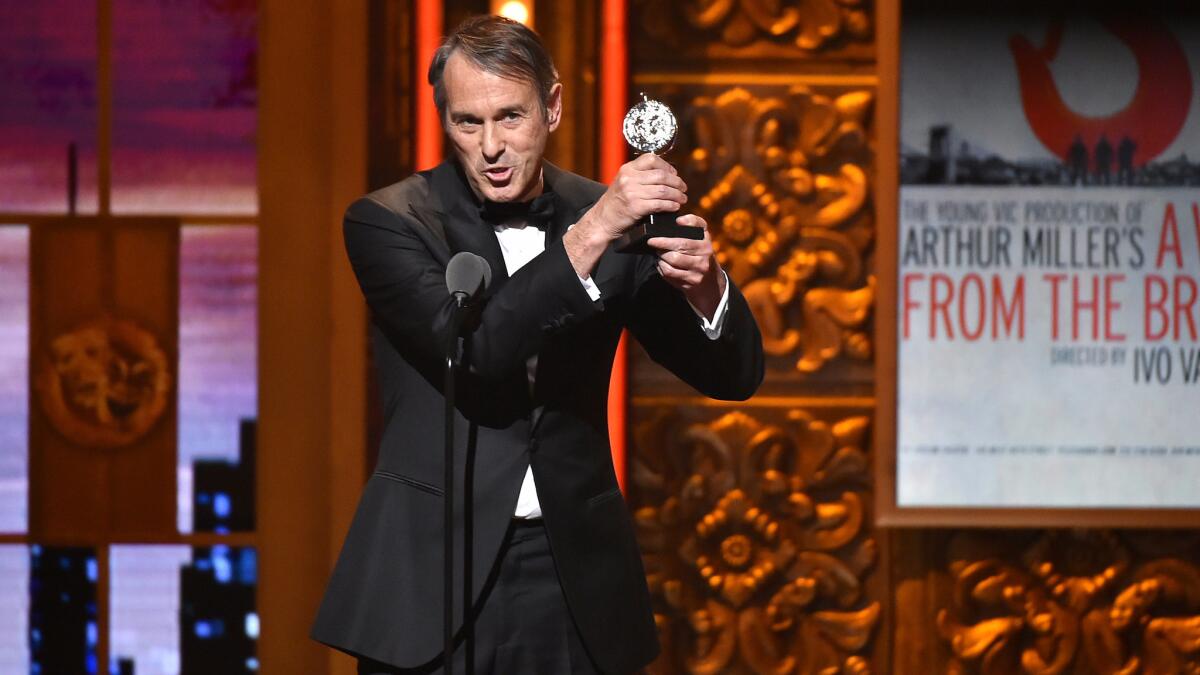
(535, 212)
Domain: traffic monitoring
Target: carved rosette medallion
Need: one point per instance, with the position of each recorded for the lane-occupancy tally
(755, 542)
(787, 204)
(103, 384)
(1076, 602)
(802, 26)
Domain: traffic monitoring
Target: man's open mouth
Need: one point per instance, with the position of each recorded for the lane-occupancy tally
(498, 174)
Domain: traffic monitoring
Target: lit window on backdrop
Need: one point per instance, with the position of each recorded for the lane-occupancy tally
(181, 609)
(144, 607)
(218, 621)
(63, 632)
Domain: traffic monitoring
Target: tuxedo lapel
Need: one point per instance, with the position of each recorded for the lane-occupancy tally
(465, 230)
(567, 210)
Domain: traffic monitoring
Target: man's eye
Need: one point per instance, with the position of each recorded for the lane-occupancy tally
(512, 117)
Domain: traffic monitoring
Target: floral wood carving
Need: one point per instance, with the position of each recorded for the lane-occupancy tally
(786, 203)
(805, 25)
(1076, 603)
(755, 542)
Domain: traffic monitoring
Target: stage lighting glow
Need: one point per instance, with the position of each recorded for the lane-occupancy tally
(516, 10)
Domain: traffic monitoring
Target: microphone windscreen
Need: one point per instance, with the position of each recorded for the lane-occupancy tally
(467, 274)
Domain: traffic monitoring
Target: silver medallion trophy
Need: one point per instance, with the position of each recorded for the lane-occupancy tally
(650, 126)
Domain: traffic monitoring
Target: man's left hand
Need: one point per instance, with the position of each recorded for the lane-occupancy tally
(691, 266)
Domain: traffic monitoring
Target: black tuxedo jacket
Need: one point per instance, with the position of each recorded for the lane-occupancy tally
(384, 599)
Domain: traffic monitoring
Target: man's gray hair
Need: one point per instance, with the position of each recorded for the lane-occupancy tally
(499, 46)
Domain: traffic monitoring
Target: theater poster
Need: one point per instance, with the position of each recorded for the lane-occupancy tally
(1049, 261)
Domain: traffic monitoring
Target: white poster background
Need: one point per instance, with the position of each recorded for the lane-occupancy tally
(997, 422)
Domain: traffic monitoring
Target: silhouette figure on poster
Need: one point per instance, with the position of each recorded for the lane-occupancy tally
(1125, 151)
(1104, 157)
(1077, 159)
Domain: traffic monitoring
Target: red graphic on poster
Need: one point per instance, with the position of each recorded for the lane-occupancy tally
(1151, 121)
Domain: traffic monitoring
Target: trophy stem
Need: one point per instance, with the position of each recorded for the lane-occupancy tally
(655, 225)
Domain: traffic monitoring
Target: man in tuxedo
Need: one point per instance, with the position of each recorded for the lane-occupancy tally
(555, 582)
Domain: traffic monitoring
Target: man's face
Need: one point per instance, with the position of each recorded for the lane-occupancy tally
(498, 130)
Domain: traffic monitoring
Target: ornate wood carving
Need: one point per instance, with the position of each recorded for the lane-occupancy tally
(754, 28)
(104, 348)
(754, 519)
(753, 525)
(1085, 601)
(783, 182)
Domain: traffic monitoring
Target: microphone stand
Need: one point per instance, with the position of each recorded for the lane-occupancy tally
(452, 348)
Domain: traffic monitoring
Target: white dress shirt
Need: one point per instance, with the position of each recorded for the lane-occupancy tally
(520, 243)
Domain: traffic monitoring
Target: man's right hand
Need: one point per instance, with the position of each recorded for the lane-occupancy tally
(648, 184)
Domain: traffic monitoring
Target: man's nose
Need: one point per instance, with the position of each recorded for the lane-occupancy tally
(493, 143)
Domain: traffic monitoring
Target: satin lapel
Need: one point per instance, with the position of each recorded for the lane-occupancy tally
(555, 359)
(564, 214)
(433, 219)
(465, 230)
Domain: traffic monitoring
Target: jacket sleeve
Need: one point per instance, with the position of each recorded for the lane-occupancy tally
(729, 368)
(405, 288)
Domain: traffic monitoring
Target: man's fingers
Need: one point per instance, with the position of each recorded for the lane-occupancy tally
(662, 192)
(659, 206)
(684, 260)
(660, 177)
(667, 245)
(692, 220)
(692, 247)
(649, 160)
(682, 278)
(646, 161)
(647, 184)
(649, 170)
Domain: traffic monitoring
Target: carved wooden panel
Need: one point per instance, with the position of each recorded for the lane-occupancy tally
(755, 518)
(782, 176)
(1079, 601)
(671, 31)
(104, 344)
(753, 523)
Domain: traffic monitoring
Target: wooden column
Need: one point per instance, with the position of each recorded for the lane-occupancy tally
(312, 163)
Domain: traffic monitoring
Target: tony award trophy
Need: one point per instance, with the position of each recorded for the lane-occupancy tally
(650, 127)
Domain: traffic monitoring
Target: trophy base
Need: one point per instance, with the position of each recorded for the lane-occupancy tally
(655, 225)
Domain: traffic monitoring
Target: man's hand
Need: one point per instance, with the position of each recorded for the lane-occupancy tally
(691, 266)
(648, 184)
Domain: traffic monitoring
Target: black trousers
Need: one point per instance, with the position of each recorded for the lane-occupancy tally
(522, 624)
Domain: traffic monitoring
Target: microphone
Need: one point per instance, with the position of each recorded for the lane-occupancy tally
(467, 276)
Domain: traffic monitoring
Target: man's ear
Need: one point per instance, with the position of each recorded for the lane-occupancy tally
(554, 106)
